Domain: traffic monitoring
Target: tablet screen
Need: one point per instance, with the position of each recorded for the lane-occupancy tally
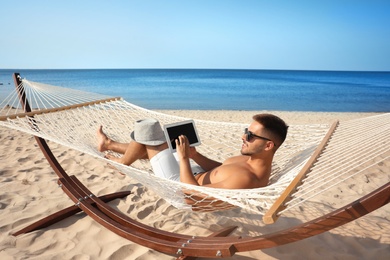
(187, 128)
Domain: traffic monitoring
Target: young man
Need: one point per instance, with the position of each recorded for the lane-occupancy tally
(251, 169)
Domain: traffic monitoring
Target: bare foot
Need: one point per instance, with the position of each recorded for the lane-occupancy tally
(103, 140)
(113, 158)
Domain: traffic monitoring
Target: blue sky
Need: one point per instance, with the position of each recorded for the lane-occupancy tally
(297, 35)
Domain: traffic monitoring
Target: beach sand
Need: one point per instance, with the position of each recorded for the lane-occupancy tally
(28, 192)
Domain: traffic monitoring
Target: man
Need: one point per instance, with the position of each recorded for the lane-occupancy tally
(251, 169)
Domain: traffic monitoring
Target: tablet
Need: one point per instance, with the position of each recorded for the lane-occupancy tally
(187, 128)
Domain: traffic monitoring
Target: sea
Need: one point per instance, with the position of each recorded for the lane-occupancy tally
(222, 89)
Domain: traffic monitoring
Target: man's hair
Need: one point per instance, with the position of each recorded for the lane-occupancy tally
(274, 125)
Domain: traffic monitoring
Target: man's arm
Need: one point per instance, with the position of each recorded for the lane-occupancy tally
(183, 151)
(237, 176)
(207, 164)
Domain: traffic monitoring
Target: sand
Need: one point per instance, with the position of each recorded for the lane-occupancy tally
(28, 192)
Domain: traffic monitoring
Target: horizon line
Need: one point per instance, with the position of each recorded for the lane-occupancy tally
(314, 70)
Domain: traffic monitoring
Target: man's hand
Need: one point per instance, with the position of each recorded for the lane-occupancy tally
(183, 147)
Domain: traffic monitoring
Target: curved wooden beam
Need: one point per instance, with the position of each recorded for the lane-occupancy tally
(227, 246)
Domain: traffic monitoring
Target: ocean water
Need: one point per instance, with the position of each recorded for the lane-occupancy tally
(200, 89)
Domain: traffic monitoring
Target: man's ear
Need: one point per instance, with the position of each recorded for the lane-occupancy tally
(269, 146)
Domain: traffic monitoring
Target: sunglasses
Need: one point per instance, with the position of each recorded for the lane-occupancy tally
(250, 135)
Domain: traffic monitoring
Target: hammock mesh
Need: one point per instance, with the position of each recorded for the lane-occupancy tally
(75, 127)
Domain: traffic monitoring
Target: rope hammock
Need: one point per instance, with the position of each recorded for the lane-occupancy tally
(71, 117)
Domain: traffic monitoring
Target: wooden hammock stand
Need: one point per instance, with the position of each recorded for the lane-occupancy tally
(217, 245)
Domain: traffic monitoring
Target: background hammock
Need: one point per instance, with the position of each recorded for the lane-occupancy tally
(355, 146)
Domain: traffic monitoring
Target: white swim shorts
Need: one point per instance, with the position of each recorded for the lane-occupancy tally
(166, 165)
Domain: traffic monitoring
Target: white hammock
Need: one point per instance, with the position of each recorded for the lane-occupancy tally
(71, 117)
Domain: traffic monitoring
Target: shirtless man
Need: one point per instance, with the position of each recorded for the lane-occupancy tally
(251, 169)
